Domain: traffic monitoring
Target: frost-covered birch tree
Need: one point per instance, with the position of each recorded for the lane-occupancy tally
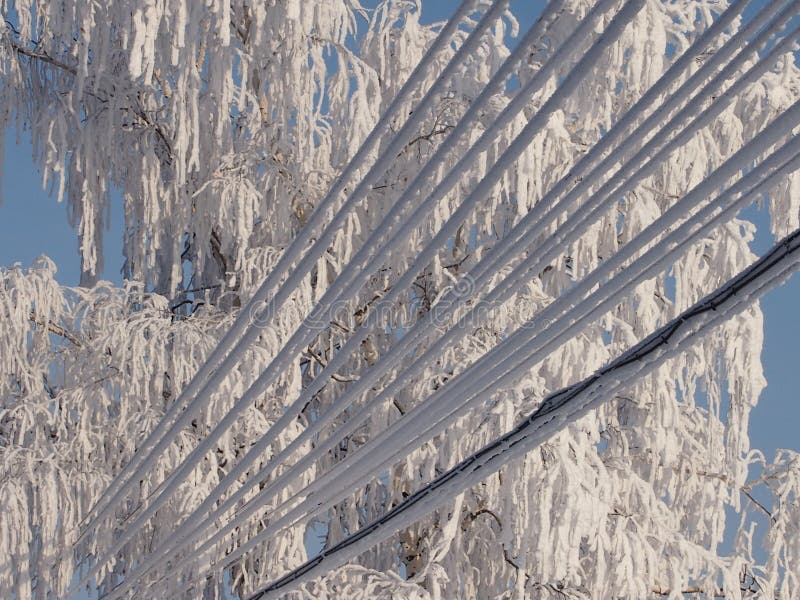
(231, 132)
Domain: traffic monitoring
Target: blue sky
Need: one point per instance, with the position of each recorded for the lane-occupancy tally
(33, 223)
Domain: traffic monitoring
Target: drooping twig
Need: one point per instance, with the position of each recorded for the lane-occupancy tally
(46, 58)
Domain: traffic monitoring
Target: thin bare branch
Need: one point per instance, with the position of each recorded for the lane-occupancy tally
(57, 329)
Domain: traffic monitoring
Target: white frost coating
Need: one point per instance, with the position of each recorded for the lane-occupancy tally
(368, 250)
(275, 368)
(225, 143)
(239, 337)
(316, 425)
(601, 388)
(549, 330)
(357, 420)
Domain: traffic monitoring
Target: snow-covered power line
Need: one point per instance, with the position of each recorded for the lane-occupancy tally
(560, 408)
(304, 335)
(690, 131)
(315, 427)
(534, 342)
(196, 520)
(224, 125)
(241, 334)
(370, 249)
(461, 130)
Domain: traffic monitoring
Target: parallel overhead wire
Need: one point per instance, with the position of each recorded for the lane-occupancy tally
(357, 420)
(560, 408)
(180, 536)
(303, 336)
(518, 349)
(368, 251)
(241, 333)
(529, 345)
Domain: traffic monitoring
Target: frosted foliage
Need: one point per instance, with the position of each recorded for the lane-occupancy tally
(223, 125)
(92, 370)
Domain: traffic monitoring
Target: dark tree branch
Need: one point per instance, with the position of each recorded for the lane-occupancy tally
(43, 57)
(57, 329)
(318, 359)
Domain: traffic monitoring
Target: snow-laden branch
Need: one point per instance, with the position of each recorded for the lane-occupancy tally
(44, 57)
(685, 124)
(56, 329)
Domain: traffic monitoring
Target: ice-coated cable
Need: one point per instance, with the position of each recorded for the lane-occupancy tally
(299, 340)
(194, 403)
(344, 281)
(379, 446)
(317, 425)
(560, 408)
(213, 370)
